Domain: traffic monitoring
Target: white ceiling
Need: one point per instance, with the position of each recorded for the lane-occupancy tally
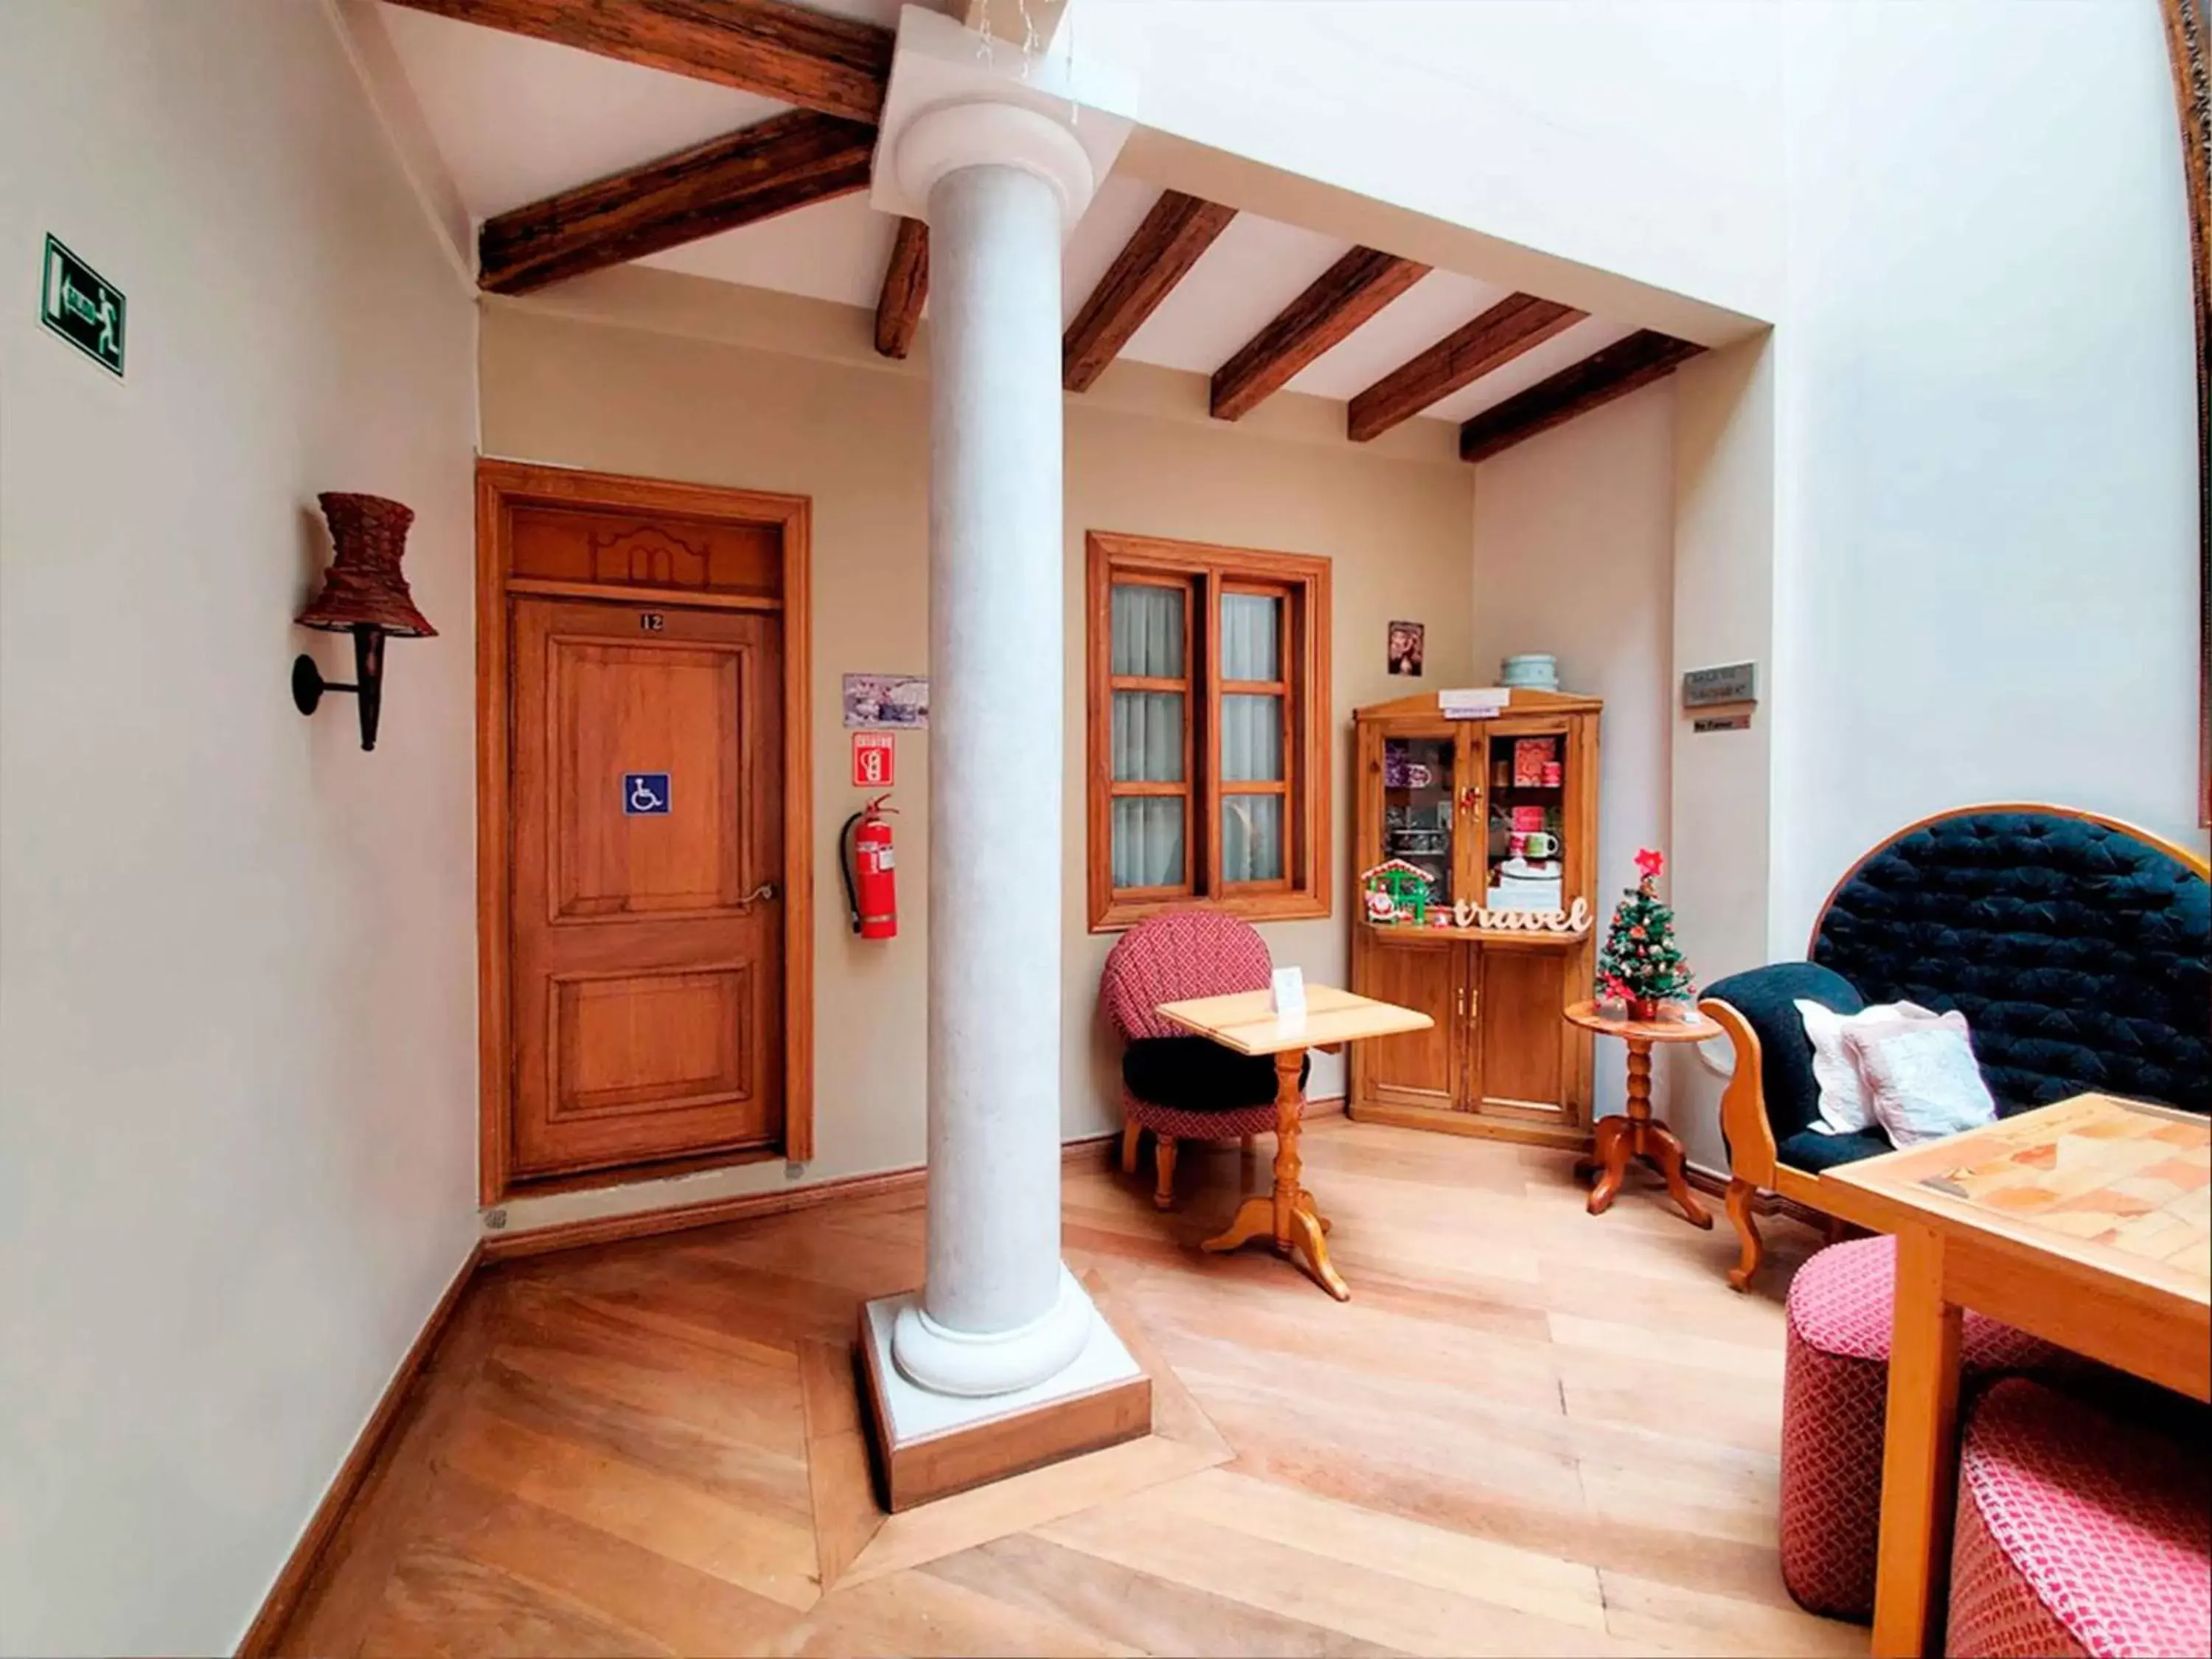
(517, 119)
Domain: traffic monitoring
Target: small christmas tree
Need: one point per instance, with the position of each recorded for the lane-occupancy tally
(1640, 963)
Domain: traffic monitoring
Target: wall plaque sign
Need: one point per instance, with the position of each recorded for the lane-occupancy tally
(1734, 682)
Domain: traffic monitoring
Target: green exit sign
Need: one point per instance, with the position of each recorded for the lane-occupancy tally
(84, 308)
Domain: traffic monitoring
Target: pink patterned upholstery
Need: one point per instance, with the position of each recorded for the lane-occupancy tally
(1834, 1398)
(1171, 958)
(2076, 1535)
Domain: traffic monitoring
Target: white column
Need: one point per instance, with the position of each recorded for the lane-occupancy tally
(998, 1312)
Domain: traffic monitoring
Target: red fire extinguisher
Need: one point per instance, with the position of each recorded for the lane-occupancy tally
(871, 884)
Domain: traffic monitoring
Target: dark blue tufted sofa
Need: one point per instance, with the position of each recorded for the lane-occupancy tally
(2075, 945)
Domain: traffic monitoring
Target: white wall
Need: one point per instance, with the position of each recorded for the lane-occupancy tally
(237, 1079)
(1721, 879)
(1574, 554)
(1636, 136)
(1948, 508)
(1986, 586)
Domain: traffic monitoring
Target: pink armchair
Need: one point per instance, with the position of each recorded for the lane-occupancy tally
(1179, 1086)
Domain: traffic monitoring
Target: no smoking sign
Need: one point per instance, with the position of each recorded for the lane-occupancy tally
(875, 756)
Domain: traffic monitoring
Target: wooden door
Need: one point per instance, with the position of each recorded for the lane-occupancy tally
(647, 947)
(1520, 1050)
(1420, 1068)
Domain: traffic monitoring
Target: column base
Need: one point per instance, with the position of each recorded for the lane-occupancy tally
(940, 1360)
(935, 1444)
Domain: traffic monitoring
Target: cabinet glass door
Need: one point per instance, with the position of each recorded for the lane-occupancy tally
(1417, 785)
(1526, 824)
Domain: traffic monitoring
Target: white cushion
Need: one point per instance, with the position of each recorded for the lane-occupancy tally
(1845, 1108)
(1919, 1074)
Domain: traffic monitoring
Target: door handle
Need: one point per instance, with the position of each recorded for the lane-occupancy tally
(763, 893)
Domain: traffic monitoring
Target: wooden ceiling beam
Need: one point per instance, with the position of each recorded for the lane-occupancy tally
(1615, 372)
(1516, 324)
(906, 286)
(1167, 244)
(1338, 300)
(771, 167)
(833, 65)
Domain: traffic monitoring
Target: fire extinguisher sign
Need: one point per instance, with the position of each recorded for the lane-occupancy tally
(874, 759)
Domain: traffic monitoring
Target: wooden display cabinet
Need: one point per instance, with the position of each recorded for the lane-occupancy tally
(1444, 795)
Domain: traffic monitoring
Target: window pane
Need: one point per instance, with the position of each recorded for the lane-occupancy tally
(1148, 631)
(1148, 842)
(1251, 838)
(1252, 739)
(1148, 736)
(1251, 637)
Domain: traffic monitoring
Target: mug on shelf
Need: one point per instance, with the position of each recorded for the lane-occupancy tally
(1540, 844)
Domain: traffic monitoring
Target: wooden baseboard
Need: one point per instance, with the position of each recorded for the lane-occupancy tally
(283, 1598)
(708, 1212)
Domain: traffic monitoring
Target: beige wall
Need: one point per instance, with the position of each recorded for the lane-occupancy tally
(1574, 554)
(237, 1020)
(851, 432)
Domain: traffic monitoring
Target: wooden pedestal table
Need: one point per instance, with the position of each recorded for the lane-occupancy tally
(1637, 1134)
(1248, 1023)
(2085, 1223)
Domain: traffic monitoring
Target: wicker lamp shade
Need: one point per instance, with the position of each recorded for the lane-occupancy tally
(363, 586)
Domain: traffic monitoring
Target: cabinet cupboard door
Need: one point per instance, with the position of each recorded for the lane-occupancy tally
(1421, 1067)
(1523, 1049)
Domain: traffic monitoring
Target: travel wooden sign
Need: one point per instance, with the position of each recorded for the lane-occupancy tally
(82, 307)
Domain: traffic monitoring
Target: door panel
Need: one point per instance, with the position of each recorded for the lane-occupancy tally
(631, 707)
(627, 1040)
(648, 944)
(1522, 1041)
(1420, 1067)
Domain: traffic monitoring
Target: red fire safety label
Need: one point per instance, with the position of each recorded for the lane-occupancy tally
(874, 759)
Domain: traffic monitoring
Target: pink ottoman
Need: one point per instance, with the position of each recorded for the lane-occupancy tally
(1835, 1395)
(2077, 1536)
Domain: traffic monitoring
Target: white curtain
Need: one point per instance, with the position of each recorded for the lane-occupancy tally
(1251, 738)
(1251, 637)
(1148, 632)
(1251, 838)
(1148, 840)
(1148, 733)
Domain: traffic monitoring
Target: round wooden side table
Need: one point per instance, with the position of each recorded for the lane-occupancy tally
(1637, 1134)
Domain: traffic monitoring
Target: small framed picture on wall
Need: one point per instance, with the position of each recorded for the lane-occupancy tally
(1406, 640)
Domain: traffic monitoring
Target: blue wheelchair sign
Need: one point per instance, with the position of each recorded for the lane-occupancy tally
(644, 794)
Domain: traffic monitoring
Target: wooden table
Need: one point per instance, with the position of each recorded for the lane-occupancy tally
(2089, 1223)
(1637, 1134)
(1248, 1023)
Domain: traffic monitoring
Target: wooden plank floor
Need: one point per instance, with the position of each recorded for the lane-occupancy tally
(1530, 1431)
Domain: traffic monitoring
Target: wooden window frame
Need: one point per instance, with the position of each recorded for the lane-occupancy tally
(1205, 572)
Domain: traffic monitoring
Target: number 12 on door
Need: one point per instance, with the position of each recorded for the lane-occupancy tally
(874, 757)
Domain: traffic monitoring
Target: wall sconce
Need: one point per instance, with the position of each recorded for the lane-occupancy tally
(363, 594)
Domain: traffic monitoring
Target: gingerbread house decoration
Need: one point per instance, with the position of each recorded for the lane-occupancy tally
(1396, 891)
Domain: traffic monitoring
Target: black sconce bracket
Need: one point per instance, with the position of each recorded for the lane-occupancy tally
(308, 684)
